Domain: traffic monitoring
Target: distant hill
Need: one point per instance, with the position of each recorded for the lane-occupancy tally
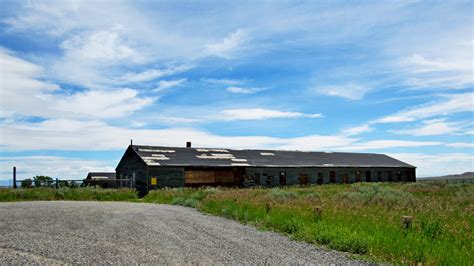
(466, 175)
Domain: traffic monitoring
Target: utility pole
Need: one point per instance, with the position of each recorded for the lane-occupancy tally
(14, 177)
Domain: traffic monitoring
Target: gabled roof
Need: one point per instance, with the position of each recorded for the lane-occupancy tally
(216, 157)
(101, 175)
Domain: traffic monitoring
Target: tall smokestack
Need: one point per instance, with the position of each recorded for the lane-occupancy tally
(188, 144)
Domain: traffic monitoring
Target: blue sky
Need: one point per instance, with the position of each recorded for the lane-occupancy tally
(79, 79)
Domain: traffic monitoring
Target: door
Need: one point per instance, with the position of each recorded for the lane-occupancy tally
(357, 176)
(282, 178)
(304, 180)
(346, 178)
(332, 177)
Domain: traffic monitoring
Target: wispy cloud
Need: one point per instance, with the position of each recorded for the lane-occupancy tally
(152, 74)
(461, 145)
(353, 131)
(432, 128)
(228, 82)
(165, 84)
(450, 104)
(348, 91)
(29, 96)
(243, 90)
(228, 45)
(259, 114)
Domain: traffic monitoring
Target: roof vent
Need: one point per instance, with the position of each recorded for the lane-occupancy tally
(188, 144)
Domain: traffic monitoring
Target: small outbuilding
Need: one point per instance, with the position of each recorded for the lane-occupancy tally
(102, 179)
(153, 167)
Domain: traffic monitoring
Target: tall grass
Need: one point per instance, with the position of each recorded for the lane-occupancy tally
(363, 218)
(88, 194)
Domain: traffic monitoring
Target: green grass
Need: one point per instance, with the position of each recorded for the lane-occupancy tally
(363, 218)
(89, 194)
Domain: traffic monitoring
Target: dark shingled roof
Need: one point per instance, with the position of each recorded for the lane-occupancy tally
(101, 175)
(173, 156)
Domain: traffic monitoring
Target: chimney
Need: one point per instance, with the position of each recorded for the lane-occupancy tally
(188, 144)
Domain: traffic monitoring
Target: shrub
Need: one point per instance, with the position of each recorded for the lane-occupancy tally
(281, 194)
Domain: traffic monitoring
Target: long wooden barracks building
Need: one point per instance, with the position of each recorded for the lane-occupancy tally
(153, 167)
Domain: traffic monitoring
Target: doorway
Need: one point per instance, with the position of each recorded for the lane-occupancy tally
(332, 177)
(304, 180)
(282, 178)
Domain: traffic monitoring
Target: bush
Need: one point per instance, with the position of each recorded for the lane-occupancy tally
(281, 194)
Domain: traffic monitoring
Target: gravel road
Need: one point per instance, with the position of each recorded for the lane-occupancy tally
(63, 232)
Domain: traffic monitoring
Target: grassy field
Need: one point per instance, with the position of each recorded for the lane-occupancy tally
(360, 218)
(95, 194)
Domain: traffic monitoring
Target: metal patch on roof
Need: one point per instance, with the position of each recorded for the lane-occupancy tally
(152, 162)
(100, 177)
(218, 150)
(156, 158)
(328, 164)
(156, 150)
(202, 150)
(240, 164)
(216, 156)
(267, 154)
(239, 160)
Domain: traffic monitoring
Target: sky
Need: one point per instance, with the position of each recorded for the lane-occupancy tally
(79, 79)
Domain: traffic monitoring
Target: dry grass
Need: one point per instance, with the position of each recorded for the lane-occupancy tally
(360, 218)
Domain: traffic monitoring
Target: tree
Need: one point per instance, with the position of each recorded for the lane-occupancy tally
(42, 181)
(27, 183)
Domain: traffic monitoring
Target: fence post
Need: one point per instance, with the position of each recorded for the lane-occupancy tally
(57, 183)
(14, 177)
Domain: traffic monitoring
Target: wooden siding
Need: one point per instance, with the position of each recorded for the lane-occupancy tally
(204, 177)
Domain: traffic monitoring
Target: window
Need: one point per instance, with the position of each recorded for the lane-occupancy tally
(320, 178)
(332, 177)
(357, 176)
(282, 178)
(379, 176)
(269, 179)
(368, 176)
(257, 179)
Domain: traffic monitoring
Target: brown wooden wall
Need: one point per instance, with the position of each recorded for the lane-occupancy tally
(203, 177)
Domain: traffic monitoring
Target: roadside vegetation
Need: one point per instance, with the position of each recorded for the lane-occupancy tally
(66, 193)
(397, 223)
(400, 223)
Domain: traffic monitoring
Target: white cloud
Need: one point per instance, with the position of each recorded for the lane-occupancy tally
(431, 128)
(165, 84)
(227, 47)
(461, 145)
(353, 131)
(99, 104)
(104, 47)
(348, 91)
(451, 104)
(388, 144)
(152, 74)
(435, 164)
(53, 166)
(243, 90)
(23, 93)
(259, 114)
(229, 82)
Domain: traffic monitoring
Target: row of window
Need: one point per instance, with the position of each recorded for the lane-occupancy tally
(304, 179)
